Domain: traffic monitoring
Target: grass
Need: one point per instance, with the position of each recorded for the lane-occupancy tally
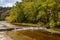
(28, 24)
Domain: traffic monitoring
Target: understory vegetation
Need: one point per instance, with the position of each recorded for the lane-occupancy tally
(44, 12)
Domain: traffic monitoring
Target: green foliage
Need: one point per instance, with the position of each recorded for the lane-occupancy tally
(46, 12)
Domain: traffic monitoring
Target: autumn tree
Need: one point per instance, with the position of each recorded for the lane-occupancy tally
(45, 12)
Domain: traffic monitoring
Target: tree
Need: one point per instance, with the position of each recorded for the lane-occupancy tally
(43, 12)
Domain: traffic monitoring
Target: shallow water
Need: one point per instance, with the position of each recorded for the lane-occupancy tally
(3, 35)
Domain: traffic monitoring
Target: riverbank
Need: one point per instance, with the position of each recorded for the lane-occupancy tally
(31, 34)
(28, 24)
(48, 34)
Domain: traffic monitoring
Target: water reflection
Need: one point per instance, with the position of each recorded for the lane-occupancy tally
(32, 35)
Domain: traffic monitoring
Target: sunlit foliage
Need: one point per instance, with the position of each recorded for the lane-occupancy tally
(45, 12)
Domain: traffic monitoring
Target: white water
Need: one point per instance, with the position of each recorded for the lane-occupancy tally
(29, 28)
(3, 35)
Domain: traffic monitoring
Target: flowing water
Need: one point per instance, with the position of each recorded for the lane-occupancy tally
(25, 33)
(3, 35)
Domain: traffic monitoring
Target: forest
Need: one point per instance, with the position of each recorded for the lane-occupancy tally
(4, 12)
(42, 12)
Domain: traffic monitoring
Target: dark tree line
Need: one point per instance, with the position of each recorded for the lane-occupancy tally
(4, 12)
